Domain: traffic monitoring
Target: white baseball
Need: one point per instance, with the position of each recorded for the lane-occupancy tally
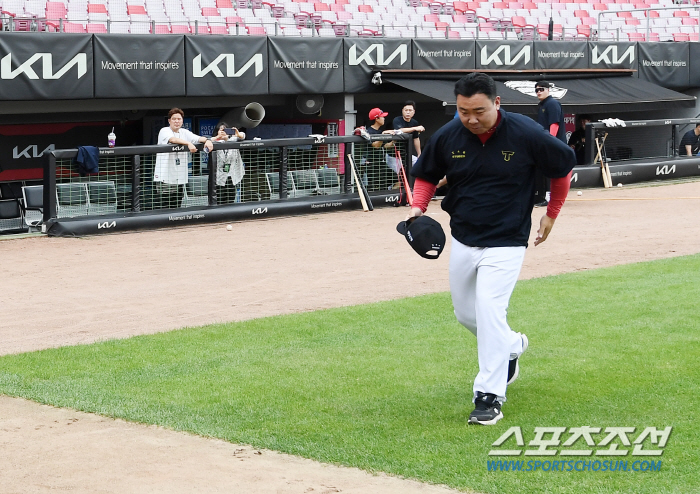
(579, 193)
(620, 184)
(229, 227)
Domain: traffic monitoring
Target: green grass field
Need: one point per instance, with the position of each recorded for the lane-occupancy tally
(387, 386)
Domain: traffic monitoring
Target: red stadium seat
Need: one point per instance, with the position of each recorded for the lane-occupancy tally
(256, 30)
(96, 8)
(636, 36)
(364, 8)
(529, 5)
(180, 29)
(453, 34)
(210, 12)
(431, 18)
(584, 31)
(681, 37)
(600, 6)
(322, 7)
(218, 29)
(499, 5)
(73, 27)
(136, 10)
(681, 13)
(224, 4)
(337, 7)
(96, 28)
(689, 21)
(460, 6)
(233, 20)
(632, 22)
(694, 37)
(162, 29)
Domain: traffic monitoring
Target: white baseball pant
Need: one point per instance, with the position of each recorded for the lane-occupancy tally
(482, 280)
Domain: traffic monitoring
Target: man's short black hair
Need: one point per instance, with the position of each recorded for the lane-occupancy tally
(543, 83)
(409, 102)
(475, 83)
(697, 125)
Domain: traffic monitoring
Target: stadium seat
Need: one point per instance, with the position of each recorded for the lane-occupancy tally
(327, 180)
(256, 30)
(196, 191)
(136, 10)
(272, 179)
(11, 219)
(218, 29)
(96, 28)
(71, 200)
(305, 183)
(162, 29)
(103, 197)
(681, 37)
(73, 27)
(210, 12)
(180, 29)
(96, 8)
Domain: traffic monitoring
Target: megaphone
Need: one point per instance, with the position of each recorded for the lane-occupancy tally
(247, 116)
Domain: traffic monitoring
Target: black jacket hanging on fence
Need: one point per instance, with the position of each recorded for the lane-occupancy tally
(88, 160)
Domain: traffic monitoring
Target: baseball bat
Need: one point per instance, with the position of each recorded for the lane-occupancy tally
(599, 156)
(361, 190)
(402, 175)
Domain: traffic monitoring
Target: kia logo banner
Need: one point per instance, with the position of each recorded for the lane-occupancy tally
(60, 66)
(504, 55)
(365, 55)
(138, 66)
(306, 65)
(613, 55)
(226, 65)
(56, 66)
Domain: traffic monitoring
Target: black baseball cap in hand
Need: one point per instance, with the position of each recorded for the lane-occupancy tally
(425, 235)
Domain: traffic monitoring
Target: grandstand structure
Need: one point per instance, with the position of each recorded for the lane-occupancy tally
(620, 20)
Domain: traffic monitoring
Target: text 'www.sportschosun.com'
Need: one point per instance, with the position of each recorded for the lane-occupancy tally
(573, 466)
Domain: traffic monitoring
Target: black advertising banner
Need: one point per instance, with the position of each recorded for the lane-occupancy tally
(226, 65)
(362, 56)
(694, 69)
(139, 66)
(22, 146)
(55, 66)
(665, 64)
(439, 54)
(561, 55)
(604, 55)
(305, 65)
(504, 55)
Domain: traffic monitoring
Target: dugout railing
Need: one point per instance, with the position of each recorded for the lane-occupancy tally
(636, 151)
(281, 177)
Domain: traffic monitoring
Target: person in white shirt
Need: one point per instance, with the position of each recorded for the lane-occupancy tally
(229, 164)
(170, 174)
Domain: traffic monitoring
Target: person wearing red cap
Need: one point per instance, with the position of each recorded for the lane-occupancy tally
(376, 160)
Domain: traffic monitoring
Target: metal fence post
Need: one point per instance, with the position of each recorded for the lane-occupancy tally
(136, 183)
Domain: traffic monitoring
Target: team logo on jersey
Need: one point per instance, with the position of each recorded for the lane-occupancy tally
(507, 155)
(459, 154)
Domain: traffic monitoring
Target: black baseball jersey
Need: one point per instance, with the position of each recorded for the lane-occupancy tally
(549, 112)
(400, 123)
(492, 185)
(689, 139)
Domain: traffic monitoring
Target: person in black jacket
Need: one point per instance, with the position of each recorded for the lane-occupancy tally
(490, 158)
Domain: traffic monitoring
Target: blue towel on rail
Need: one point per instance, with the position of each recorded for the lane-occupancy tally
(88, 160)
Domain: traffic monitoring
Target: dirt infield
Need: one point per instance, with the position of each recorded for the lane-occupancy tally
(72, 291)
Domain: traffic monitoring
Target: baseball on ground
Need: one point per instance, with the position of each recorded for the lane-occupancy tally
(579, 193)
(229, 227)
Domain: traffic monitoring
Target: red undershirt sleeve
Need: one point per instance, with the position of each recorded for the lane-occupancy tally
(554, 129)
(423, 192)
(559, 188)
